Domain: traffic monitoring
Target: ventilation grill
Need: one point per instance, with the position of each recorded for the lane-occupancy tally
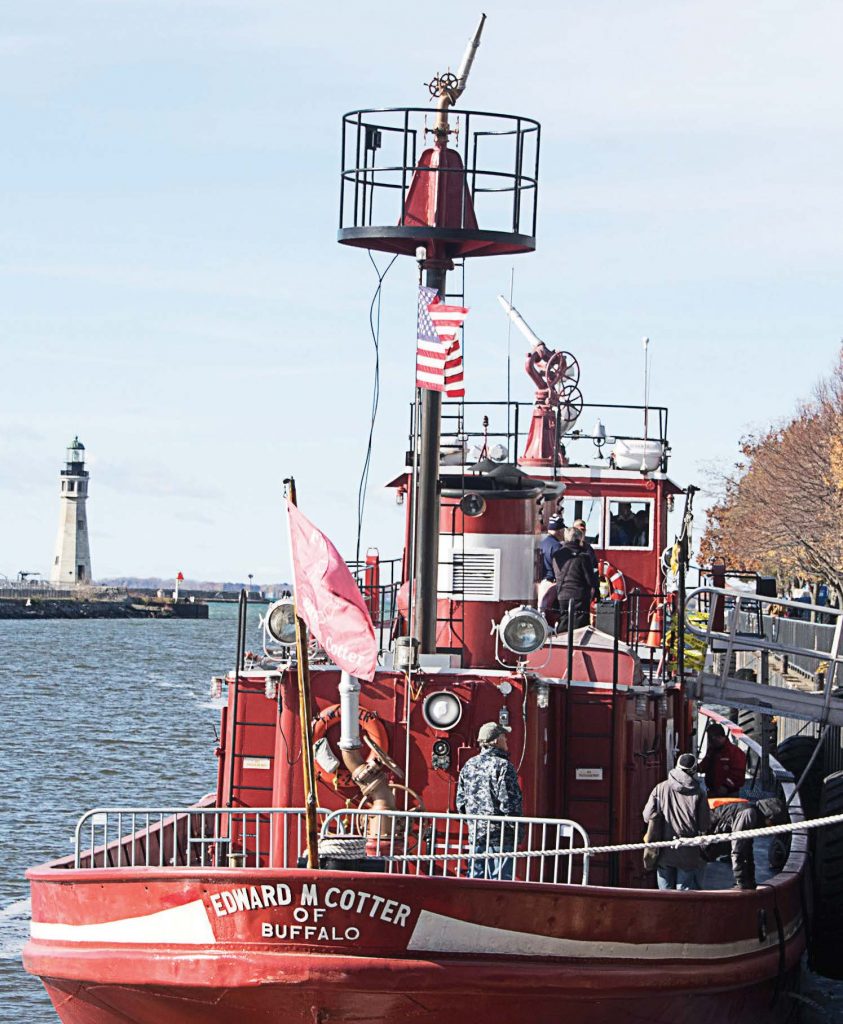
(475, 575)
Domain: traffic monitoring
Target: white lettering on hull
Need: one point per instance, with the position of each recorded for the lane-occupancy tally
(309, 933)
(312, 903)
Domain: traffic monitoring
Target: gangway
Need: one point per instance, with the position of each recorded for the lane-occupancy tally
(716, 681)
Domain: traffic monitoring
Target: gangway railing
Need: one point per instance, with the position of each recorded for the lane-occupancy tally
(443, 845)
(717, 681)
(817, 637)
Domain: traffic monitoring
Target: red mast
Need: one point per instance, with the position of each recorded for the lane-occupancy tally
(436, 222)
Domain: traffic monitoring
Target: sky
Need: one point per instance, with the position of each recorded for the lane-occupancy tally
(171, 289)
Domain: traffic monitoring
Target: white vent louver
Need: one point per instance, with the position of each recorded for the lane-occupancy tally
(475, 574)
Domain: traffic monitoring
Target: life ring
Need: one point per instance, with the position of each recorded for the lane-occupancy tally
(370, 724)
(615, 578)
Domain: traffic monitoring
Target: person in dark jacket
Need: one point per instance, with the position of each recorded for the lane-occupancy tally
(724, 764)
(739, 816)
(579, 524)
(551, 543)
(488, 785)
(574, 580)
(682, 806)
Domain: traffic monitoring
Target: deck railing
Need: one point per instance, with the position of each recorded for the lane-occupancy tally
(111, 837)
(455, 845)
(402, 842)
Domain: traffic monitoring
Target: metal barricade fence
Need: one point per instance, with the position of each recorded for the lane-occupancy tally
(456, 845)
(190, 837)
(406, 842)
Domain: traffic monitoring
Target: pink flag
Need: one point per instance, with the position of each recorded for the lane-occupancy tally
(328, 599)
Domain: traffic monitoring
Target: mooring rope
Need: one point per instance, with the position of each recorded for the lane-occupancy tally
(663, 844)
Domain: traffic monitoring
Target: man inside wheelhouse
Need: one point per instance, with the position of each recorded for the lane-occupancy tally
(629, 524)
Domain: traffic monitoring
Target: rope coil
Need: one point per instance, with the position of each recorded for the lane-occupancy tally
(343, 847)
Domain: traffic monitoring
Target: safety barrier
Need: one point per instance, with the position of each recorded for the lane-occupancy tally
(455, 845)
(110, 837)
(406, 842)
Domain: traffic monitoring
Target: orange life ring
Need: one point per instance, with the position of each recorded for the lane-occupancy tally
(371, 725)
(720, 801)
(615, 578)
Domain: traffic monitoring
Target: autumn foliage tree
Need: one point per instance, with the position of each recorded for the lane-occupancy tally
(780, 510)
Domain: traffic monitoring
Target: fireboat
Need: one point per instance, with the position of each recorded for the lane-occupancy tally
(326, 878)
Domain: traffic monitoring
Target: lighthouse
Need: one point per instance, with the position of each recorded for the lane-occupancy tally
(72, 559)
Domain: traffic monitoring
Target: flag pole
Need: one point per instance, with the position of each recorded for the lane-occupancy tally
(305, 711)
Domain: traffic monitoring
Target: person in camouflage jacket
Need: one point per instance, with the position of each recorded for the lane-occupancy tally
(488, 785)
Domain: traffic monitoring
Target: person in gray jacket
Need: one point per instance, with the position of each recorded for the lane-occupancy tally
(681, 805)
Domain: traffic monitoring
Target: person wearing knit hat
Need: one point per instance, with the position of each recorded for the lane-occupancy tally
(677, 809)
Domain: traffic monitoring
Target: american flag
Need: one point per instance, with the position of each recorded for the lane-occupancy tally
(438, 352)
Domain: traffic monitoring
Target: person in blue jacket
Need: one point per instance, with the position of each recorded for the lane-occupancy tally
(550, 544)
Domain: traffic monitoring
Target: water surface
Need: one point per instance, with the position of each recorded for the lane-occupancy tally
(96, 713)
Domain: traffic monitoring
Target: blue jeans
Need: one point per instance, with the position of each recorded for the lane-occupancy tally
(680, 878)
(492, 867)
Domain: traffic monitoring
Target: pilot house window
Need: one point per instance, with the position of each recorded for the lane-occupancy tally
(629, 524)
(590, 511)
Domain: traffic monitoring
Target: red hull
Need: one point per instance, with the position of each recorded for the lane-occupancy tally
(147, 945)
(312, 1000)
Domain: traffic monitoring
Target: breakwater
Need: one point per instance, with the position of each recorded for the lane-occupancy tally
(83, 608)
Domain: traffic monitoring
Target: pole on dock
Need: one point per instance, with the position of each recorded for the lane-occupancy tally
(305, 711)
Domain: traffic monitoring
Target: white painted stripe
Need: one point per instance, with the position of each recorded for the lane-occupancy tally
(187, 925)
(440, 934)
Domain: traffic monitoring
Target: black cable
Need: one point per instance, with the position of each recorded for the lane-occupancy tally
(375, 328)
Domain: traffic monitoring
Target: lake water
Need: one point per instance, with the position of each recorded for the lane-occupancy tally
(97, 713)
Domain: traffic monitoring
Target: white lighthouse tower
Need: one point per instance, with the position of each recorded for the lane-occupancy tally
(72, 560)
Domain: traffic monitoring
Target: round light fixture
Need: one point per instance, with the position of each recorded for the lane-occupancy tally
(523, 630)
(442, 710)
(281, 622)
(472, 505)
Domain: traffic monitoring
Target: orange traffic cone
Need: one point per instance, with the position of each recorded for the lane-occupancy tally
(656, 633)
